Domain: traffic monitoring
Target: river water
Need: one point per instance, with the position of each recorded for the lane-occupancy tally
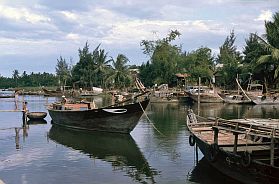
(157, 151)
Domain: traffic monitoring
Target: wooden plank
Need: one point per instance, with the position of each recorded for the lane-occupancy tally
(247, 148)
(11, 110)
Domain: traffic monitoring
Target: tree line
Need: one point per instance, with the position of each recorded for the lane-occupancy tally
(258, 62)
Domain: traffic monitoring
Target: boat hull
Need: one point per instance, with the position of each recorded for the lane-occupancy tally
(268, 100)
(120, 119)
(206, 98)
(231, 165)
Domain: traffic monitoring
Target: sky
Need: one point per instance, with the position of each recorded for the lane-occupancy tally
(35, 33)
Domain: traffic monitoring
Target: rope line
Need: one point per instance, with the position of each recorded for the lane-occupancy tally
(150, 121)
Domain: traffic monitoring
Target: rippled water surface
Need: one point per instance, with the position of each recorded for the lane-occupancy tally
(156, 152)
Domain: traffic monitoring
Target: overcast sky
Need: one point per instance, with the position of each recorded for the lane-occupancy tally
(34, 33)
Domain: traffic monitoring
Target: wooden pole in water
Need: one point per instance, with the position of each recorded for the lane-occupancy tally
(199, 100)
(272, 148)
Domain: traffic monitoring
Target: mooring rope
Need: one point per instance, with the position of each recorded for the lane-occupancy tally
(150, 120)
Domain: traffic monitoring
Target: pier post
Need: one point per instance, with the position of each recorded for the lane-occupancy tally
(235, 140)
(272, 147)
(216, 132)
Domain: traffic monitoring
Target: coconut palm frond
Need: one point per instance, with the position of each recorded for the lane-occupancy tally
(266, 45)
(265, 59)
(275, 54)
(276, 72)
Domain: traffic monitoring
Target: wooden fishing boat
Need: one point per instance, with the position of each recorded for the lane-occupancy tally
(36, 115)
(119, 150)
(234, 97)
(244, 149)
(121, 117)
(255, 92)
(206, 95)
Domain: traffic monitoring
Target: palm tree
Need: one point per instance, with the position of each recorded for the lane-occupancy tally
(15, 76)
(270, 60)
(120, 75)
(101, 65)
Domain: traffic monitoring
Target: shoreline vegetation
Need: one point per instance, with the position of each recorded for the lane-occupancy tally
(257, 63)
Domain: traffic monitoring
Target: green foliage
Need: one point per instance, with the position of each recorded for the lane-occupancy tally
(198, 63)
(264, 54)
(63, 70)
(230, 58)
(119, 76)
(31, 80)
(163, 58)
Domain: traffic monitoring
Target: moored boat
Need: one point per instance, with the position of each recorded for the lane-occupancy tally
(234, 98)
(121, 117)
(204, 94)
(36, 115)
(244, 149)
(256, 93)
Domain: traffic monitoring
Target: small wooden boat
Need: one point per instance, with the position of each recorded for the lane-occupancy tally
(121, 117)
(244, 149)
(36, 115)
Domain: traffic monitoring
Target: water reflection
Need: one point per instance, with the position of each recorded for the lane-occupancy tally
(24, 130)
(120, 150)
(203, 172)
(36, 122)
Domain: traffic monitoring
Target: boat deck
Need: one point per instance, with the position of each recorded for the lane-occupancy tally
(226, 137)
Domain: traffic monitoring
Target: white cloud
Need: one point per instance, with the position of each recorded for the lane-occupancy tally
(72, 36)
(266, 15)
(22, 14)
(70, 15)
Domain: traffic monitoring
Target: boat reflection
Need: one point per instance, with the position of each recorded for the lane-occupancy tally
(36, 122)
(118, 149)
(203, 172)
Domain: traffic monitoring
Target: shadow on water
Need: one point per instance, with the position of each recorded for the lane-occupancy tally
(204, 173)
(118, 149)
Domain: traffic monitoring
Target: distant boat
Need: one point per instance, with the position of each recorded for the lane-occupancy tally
(206, 94)
(255, 92)
(93, 92)
(121, 117)
(56, 92)
(244, 149)
(66, 91)
(7, 94)
(235, 97)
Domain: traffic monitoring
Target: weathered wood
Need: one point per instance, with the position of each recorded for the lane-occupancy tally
(11, 110)
(272, 148)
